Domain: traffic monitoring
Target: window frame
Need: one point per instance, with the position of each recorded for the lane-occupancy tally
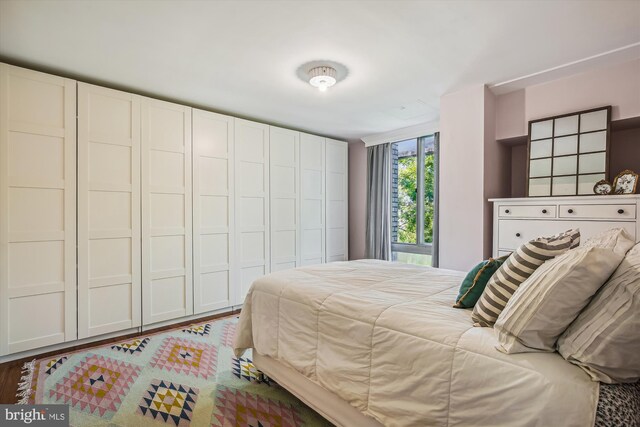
(420, 247)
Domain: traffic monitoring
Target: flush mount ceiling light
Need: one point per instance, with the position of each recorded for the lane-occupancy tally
(322, 77)
(321, 73)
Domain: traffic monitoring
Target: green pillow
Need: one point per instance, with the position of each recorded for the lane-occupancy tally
(473, 285)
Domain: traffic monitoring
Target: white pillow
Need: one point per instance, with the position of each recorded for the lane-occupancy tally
(616, 239)
(605, 338)
(547, 302)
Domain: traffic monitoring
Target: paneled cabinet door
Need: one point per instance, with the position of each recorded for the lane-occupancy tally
(337, 201)
(213, 213)
(37, 209)
(167, 287)
(312, 199)
(252, 203)
(284, 196)
(108, 210)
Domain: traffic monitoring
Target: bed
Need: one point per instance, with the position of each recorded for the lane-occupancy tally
(371, 342)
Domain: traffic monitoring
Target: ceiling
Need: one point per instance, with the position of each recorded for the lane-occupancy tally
(241, 57)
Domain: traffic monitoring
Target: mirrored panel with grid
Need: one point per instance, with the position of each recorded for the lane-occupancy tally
(568, 154)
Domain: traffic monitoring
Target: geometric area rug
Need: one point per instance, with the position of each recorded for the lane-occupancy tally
(188, 376)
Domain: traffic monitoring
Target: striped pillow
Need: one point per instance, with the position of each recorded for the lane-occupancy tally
(518, 267)
(545, 304)
(604, 340)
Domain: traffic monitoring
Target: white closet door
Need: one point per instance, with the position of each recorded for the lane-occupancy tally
(337, 204)
(312, 199)
(284, 198)
(108, 210)
(167, 287)
(37, 209)
(252, 203)
(213, 213)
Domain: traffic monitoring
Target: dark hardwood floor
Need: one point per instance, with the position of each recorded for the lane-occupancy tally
(10, 372)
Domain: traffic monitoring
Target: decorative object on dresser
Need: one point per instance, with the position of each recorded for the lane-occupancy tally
(518, 220)
(603, 188)
(568, 153)
(626, 182)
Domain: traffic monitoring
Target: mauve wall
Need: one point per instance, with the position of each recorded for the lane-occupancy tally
(357, 199)
(475, 167)
(625, 151)
(462, 133)
(510, 115)
(518, 171)
(618, 86)
(497, 178)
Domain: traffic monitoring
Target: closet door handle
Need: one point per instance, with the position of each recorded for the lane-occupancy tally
(517, 234)
(620, 211)
(570, 211)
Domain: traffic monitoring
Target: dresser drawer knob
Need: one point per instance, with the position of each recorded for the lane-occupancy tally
(517, 234)
(507, 211)
(544, 211)
(620, 211)
(570, 211)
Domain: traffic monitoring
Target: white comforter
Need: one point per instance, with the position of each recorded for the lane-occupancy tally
(384, 337)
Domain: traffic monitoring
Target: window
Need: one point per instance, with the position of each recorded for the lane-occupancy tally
(413, 203)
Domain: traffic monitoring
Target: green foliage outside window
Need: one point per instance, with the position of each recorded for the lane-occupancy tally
(407, 196)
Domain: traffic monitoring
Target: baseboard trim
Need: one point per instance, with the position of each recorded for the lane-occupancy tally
(187, 319)
(105, 339)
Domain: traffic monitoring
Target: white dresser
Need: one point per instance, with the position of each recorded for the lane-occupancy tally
(516, 221)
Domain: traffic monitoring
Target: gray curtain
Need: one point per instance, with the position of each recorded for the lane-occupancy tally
(378, 244)
(435, 249)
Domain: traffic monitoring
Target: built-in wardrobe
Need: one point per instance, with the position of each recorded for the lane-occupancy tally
(120, 212)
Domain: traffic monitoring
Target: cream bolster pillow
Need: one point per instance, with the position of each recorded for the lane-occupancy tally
(616, 239)
(605, 338)
(546, 303)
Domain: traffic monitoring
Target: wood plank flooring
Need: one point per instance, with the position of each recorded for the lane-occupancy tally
(10, 372)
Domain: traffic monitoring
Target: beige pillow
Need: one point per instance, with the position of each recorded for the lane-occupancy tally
(548, 301)
(616, 239)
(605, 338)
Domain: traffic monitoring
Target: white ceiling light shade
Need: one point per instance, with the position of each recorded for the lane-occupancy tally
(322, 77)
(321, 73)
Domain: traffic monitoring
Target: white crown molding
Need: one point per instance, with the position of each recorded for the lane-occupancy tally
(402, 134)
(615, 56)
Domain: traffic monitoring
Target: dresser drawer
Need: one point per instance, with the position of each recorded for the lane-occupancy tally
(527, 211)
(613, 212)
(513, 233)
